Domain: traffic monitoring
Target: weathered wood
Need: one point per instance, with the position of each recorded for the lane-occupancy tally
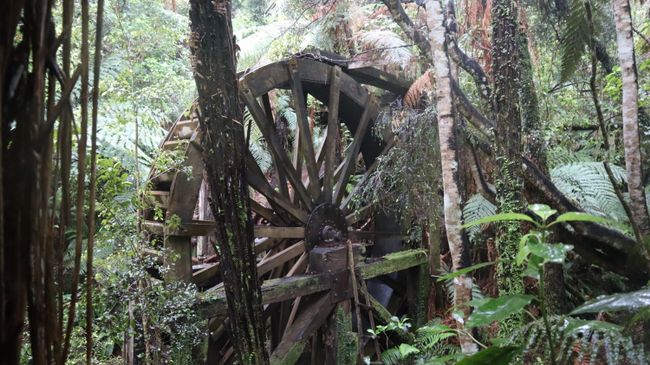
(280, 258)
(332, 127)
(266, 213)
(392, 262)
(204, 276)
(258, 181)
(351, 158)
(279, 232)
(384, 316)
(307, 322)
(213, 301)
(276, 148)
(181, 262)
(380, 79)
(307, 144)
(282, 177)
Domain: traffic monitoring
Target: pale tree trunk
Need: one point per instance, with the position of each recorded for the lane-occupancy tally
(630, 107)
(449, 158)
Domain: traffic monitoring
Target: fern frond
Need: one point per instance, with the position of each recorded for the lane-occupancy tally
(588, 185)
(576, 37)
(477, 207)
(419, 87)
(387, 46)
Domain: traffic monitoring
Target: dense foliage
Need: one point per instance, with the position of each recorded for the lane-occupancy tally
(147, 83)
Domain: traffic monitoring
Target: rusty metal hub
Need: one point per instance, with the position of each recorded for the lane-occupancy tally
(326, 227)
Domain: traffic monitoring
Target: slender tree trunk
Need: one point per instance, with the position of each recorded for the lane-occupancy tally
(509, 181)
(631, 137)
(449, 158)
(224, 151)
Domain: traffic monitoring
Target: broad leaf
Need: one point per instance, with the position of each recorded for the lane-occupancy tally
(542, 210)
(491, 356)
(494, 309)
(463, 271)
(500, 218)
(579, 217)
(611, 303)
(550, 252)
(577, 326)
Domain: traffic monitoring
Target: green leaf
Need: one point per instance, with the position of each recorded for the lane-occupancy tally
(501, 217)
(611, 303)
(542, 210)
(491, 356)
(579, 217)
(498, 308)
(463, 271)
(577, 326)
(550, 252)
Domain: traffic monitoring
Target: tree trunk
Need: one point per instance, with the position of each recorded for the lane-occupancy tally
(631, 137)
(509, 181)
(449, 158)
(224, 150)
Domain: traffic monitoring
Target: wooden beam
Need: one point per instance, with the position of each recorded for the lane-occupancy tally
(307, 322)
(213, 302)
(393, 262)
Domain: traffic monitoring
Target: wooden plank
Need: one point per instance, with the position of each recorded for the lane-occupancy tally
(359, 214)
(307, 144)
(351, 157)
(380, 79)
(266, 213)
(192, 228)
(213, 302)
(257, 181)
(202, 277)
(329, 145)
(306, 323)
(392, 262)
(384, 315)
(275, 145)
(279, 232)
(280, 258)
(282, 178)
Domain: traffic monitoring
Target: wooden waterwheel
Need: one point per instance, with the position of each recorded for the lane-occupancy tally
(313, 225)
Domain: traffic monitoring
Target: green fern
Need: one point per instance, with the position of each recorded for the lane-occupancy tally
(576, 37)
(477, 207)
(397, 355)
(587, 184)
(579, 341)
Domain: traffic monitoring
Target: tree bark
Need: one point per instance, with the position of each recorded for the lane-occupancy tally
(224, 150)
(509, 182)
(449, 158)
(630, 107)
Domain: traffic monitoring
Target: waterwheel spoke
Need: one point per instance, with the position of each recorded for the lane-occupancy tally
(353, 151)
(282, 178)
(279, 232)
(277, 150)
(359, 214)
(280, 258)
(364, 178)
(266, 213)
(306, 145)
(257, 181)
(329, 146)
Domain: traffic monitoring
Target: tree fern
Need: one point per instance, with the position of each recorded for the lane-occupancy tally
(587, 184)
(576, 36)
